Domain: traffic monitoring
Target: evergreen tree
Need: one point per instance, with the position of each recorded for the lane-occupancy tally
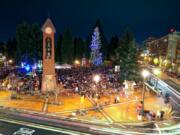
(22, 37)
(67, 47)
(103, 39)
(112, 47)
(96, 55)
(29, 42)
(58, 51)
(36, 44)
(11, 48)
(75, 47)
(2, 47)
(126, 57)
(88, 42)
(80, 48)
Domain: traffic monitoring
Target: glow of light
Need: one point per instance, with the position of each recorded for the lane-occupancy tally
(48, 30)
(172, 30)
(73, 114)
(145, 73)
(96, 78)
(34, 66)
(27, 67)
(4, 57)
(77, 62)
(156, 71)
(95, 99)
(39, 65)
(145, 58)
(22, 64)
(156, 61)
(142, 55)
(10, 61)
(165, 62)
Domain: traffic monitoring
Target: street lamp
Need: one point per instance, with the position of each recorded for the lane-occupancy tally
(96, 78)
(10, 61)
(77, 62)
(142, 55)
(156, 61)
(145, 74)
(156, 71)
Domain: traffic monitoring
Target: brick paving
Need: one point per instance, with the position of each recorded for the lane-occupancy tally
(125, 111)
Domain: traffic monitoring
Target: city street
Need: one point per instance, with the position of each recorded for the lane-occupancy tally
(41, 124)
(172, 82)
(14, 127)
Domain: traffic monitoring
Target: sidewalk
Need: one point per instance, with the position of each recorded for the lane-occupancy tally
(32, 103)
(125, 111)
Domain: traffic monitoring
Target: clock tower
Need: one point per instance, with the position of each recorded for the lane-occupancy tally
(48, 76)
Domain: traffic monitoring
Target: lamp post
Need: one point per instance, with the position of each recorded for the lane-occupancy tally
(145, 74)
(96, 78)
(10, 61)
(77, 62)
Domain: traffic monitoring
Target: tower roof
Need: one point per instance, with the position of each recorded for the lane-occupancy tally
(48, 23)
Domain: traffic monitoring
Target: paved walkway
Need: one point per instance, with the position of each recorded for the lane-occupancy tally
(124, 111)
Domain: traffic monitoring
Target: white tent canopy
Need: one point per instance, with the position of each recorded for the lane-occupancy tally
(63, 66)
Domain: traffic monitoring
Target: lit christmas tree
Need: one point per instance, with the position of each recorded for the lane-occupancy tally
(96, 55)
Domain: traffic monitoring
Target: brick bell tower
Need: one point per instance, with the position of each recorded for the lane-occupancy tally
(48, 76)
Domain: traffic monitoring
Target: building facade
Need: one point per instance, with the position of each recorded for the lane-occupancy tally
(165, 48)
(178, 56)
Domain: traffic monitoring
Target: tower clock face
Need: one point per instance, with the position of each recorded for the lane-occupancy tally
(48, 30)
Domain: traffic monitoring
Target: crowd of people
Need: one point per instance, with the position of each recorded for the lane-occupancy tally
(81, 80)
(74, 80)
(20, 82)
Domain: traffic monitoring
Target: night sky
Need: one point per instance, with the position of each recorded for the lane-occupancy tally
(144, 17)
